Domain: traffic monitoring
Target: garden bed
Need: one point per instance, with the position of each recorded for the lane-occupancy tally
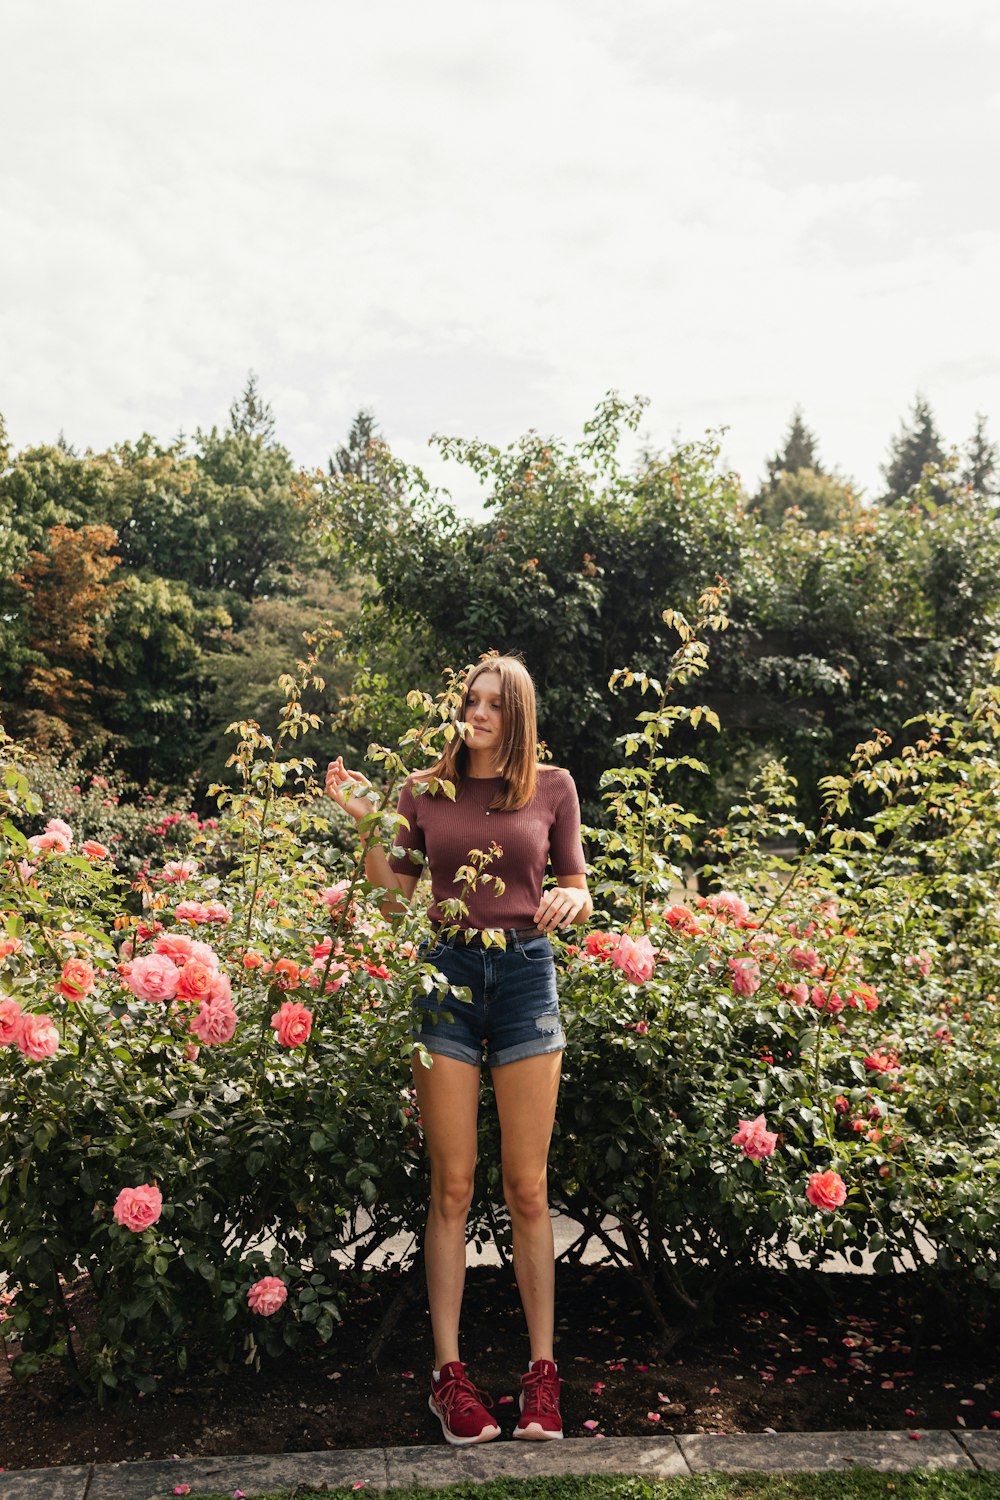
(794, 1352)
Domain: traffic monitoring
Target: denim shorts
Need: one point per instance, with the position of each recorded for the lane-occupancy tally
(514, 1010)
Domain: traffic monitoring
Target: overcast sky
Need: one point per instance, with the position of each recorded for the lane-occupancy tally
(476, 218)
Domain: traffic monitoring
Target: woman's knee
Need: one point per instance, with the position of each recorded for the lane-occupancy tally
(451, 1193)
(527, 1198)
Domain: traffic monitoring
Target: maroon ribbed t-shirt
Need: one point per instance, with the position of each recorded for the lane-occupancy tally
(444, 832)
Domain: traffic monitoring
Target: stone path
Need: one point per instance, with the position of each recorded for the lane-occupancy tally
(386, 1468)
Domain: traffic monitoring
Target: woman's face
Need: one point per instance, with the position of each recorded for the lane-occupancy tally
(483, 712)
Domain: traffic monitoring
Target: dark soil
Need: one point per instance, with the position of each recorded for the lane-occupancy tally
(793, 1353)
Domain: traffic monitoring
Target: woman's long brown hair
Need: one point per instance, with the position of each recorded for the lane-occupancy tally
(518, 758)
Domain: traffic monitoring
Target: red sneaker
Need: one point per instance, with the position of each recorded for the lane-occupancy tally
(540, 1420)
(460, 1408)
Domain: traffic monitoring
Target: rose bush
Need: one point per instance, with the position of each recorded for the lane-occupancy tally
(205, 1087)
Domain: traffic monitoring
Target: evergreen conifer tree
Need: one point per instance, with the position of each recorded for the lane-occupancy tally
(917, 445)
(250, 414)
(798, 453)
(981, 462)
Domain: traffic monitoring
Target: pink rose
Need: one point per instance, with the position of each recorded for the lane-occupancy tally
(866, 996)
(189, 911)
(25, 869)
(744, 971)
(175, 871)
(205, 953)
(153, 977)
(214, 911)
(76, 980)
(56, 825)
(728, 904)
(215, 1021)
(808, 960)
(881, 1062)
(267, 1295)
(599, 945)
(176, 946)
(293, 1023)
(137, 1208)
(196, 979)
(923, 961)
(333, 896)
(39, 842)
(826, 1190)
(798, 994)
(755, 1138)
(338, 976)
(222, 988)
(37, 1037)
(682, 919)
(831, 1003)
(635, 957)
(10, 1021)
(91, 849)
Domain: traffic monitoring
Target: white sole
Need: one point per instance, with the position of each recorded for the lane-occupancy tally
(486, 1436)
(534, 1433)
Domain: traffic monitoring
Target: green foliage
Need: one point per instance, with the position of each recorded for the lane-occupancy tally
(856, 1483)
(815, 500)
(848, 994)
(842, 617)
(205, 537)
(571, 536)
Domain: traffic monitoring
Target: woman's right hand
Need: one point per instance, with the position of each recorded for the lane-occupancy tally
(342, 785)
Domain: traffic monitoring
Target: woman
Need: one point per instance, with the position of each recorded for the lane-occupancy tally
(504, 798)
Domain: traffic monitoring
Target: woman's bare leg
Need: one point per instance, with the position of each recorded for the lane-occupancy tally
(526, 1094)
(448, 1096)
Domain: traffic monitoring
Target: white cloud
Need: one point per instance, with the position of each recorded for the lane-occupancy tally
(479, 218)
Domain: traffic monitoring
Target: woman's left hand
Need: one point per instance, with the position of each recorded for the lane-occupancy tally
(561, 906)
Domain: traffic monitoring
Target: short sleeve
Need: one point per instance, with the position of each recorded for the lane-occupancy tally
(411, 839)
(565, 847)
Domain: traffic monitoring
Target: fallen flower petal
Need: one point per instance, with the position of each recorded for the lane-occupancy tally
(182, 1489)
(590, 1424)
(652, 1416)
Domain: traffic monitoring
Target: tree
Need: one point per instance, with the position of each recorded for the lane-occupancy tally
(572, 569)
(980, 470)
(868, 621)
(250, 414)
(232, 516)
(155, 674)
(916, 447)
(818, 501)
(70, 595)
(799, 452)
(360, 459)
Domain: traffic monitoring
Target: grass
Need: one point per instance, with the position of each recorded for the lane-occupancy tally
(857, 1484)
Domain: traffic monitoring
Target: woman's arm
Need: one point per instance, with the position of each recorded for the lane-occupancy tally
(344, 786)
(565, 903)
